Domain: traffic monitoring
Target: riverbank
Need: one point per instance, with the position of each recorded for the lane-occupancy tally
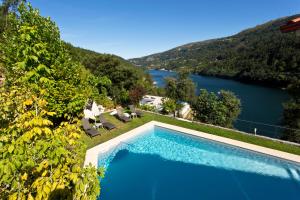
(259, 104)
(246, 80)
(264, 83)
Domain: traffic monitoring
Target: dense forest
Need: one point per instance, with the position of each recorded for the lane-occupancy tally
(121, 76)
(261, 55)
(91, 59)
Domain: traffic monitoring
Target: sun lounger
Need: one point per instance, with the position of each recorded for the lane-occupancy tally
(88, 128)
(105, 123)
(120, 115)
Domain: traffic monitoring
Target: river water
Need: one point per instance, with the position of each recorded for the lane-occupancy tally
(262, 105)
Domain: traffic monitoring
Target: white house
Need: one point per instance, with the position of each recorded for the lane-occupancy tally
(157, 101)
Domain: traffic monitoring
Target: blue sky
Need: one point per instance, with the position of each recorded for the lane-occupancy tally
(134, 28)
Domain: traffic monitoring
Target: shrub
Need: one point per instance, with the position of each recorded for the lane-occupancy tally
(148, 108)
(169, 106)
(220, 110)
(136, 94)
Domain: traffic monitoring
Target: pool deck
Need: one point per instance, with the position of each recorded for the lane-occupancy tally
(93, 153)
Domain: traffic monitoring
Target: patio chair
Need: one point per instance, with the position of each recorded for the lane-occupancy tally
(91, 131)
(96, 109)
(105, 123)
(88, 114)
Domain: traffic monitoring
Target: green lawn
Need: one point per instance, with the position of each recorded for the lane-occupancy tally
(124, 127)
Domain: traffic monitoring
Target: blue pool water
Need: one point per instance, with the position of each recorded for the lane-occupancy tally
(163, 164)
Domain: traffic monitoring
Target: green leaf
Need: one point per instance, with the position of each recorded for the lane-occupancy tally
(11, 148)
(21, 65)
(34, 58)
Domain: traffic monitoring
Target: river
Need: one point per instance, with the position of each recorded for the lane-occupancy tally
(262, 105)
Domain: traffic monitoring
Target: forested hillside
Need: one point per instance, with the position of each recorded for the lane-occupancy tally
(91, 59)
(121, 76)
(261, 54)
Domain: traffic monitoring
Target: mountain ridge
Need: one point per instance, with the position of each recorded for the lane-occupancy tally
(260, 54)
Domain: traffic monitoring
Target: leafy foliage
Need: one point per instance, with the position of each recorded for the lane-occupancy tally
(178, 89)
(181, 88)
(123, 78)
(292, 113)
(220, 110)
(148, 108)
(157, 91)
(136, 94)
(44, 93)
(122, 74)
(169, 106)
(39, 161)
(171, 88)
(5, 7)
(41, 61)
(292, 119)
(91, 59)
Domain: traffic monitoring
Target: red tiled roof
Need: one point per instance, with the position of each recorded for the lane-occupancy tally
(295, 20)
(292, 25)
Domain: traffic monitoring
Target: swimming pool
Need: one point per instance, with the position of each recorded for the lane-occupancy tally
(164, 164)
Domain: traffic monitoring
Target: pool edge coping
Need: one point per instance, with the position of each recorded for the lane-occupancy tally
(92, 154)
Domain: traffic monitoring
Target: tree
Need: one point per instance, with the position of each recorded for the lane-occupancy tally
(36, 56)
(123, 76)
(181, 88)
(177, 90)
(291, 114)
(41, 154)
(292, 120)
(207, 107)
(136, 94)
(119, 95)
(220, 110)
(157, 91)
(171, 88)
(232, 104)
(103, 84)
(37, 160)
(11, 4)
(169, 106)
(5, 7)
(185, 87)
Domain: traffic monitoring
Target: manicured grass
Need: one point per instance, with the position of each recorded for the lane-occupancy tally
(125, 127)
(121, 128)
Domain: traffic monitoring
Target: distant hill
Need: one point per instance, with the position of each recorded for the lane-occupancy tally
(261, 54)
(92, 60)
(122, 74)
